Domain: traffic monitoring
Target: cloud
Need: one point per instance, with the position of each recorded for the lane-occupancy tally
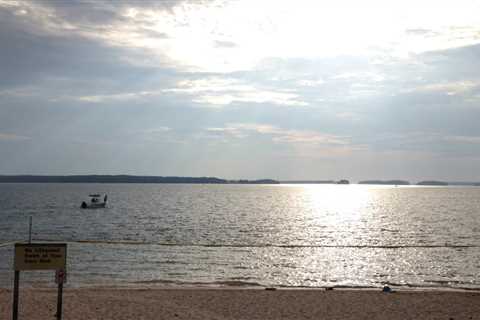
(279, 135)
(224, 91)
(117, 97)
(194, 34)
(310, 83)
(158, 130)
(421, 32)
(34, 58)
(451, 88)
(12, 137)
(225, 44)
(464, 139)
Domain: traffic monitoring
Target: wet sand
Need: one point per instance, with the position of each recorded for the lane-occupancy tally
(203, 303)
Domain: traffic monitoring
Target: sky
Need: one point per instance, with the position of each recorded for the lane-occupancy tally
(241, 89)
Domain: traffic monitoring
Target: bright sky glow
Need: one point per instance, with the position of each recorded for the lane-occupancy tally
(237, 35)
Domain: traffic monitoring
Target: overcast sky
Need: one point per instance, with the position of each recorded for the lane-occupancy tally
(241, 89)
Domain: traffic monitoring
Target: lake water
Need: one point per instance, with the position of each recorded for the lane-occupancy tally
(268, 235)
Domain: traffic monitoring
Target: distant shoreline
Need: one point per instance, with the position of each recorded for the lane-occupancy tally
(126, 179)
(201, 180)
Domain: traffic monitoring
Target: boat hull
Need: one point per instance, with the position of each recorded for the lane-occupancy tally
(93, 205)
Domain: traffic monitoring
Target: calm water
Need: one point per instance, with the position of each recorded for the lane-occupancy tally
(270, 235)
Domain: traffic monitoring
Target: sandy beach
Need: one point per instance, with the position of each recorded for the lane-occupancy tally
(202, 303)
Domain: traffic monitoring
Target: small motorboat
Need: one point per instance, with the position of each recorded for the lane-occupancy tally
(94, 202)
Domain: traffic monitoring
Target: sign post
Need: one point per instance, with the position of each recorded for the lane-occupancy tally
(15, 294)
(60, 279)
(40, 256)
(59, 301)
(30, 230)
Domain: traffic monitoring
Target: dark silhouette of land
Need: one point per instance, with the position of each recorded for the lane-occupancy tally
(463, 183)
(201, 180)
(389, 182)
(125, 179)
(432, 183)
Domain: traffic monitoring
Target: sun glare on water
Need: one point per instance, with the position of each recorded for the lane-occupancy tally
(338, 203)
